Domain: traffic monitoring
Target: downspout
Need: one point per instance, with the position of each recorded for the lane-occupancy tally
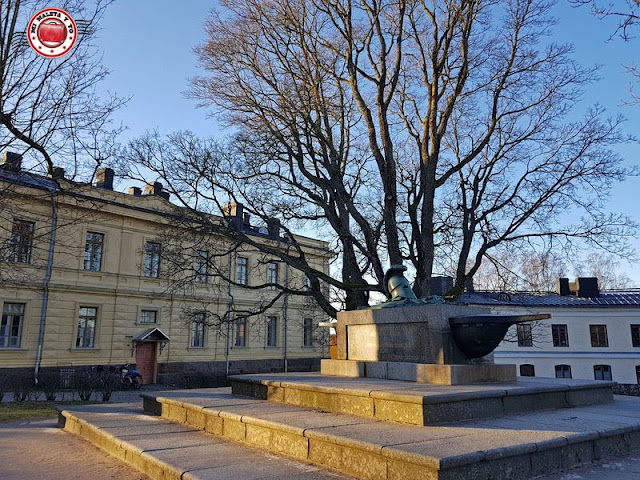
(285, 311)
(45, 285)
(229, 305)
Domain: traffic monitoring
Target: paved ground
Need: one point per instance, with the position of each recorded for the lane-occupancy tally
(40, 450)
(612, 469)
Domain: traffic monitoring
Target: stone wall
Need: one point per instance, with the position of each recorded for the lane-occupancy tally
(627, 389)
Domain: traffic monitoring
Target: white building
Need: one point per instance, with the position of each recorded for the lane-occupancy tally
(590, 335)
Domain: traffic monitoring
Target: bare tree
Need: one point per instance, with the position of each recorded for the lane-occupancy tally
(51, 108)
(423, 132)
(606, 268)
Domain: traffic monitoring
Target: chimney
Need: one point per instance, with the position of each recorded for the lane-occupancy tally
(441, 285)
(104, 178)
(587, 287)
(246, 220)
(273, 226)
(135, 191)
(562, 287)
(233, 212)
(155, 188)
(11, 161)
(57, 173)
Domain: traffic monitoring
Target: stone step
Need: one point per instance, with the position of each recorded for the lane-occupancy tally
(421, 404)
(510, 447)
(166, 451)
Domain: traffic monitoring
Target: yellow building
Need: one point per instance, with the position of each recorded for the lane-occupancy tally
(90, 276)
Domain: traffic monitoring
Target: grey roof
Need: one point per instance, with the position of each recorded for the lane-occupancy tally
(628, 298)
(152, 335)
(29, 180)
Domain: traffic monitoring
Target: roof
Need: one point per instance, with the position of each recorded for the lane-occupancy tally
(28, 179)
(628, 298)
(151, 335)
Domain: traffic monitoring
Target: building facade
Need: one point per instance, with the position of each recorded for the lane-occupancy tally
(90, 276)
(590, 335)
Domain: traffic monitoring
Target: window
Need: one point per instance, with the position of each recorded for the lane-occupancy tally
(527, 370)
(563, 371)
(21, 241)
(272, 276)
(307, 283)
(524, 335)
(11, 326)
(307, 332)
(638, 374)
(87, 327)
(560, 336)
(272, 331)
(197, 330)
(241, 270)
(201, 266)
(93, 251)
(152, 259)
(241, 332)
(635, 335)
(602, 372)
(148, 316)
(599, 336)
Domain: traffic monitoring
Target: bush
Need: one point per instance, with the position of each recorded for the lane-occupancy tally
(4, 385)
(21, 384)
(107, 383)
(85, 383)
(49, 383)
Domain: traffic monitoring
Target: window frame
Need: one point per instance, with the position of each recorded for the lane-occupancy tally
(307, 332)
(559, 332)
(15, 253)
(272, 275)
(197, 331)
(240, 341)
(149, 268)
(635, 335)
(526, 366)
(525, 339)
(597, 328)
(272, 331)
(148, 310)
(8, 328)
(564, 368)
(94, 336)
(638, 374)
(86, 245)
(201, 276)
(242, 270)
(604, 369)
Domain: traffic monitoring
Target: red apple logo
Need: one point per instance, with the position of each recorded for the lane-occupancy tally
(52, 32)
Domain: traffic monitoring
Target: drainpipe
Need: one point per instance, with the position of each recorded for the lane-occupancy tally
(229, 304)
(45, 285)
(285, 311)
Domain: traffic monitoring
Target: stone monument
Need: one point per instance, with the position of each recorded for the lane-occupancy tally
(421, 340)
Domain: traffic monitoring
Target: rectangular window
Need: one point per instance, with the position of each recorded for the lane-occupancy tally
(524, 335)
(599, 335)
(638, 374)
(307, 332)
(527, 370)
(21, 241)
(197, 330)
(560, 335)
(11, 326)
(152, 259)
(93, 251)
(272, 276)
(240, 332)
(272, 331)
(563, 371)
(241, 270)
(148, 316)
(635, 335)
(307, 283)
(201, 266)
(602, 372)
(87, 327)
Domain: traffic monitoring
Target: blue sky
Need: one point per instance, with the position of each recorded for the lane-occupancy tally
(148, 46)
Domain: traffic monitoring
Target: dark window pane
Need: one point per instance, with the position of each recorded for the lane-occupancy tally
(201, 266)
(148, 316)
(272, 331)
(527, 370)
(11, 325)
(241, 270)
(635, 335)
(598, 335)
(524, 335)
(21, 242)
(602, 372)
(560, 335)
(241, 332)
(152, 259)
(197, 330)
(93, 251)
(307, 332)
(563, 371)
(86, 327)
